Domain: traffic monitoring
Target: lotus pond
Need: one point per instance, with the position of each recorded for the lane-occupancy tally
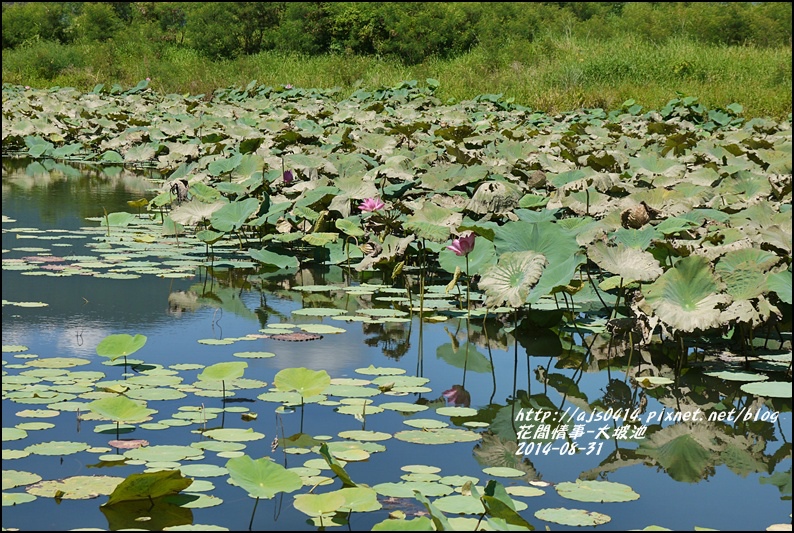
(273, 309)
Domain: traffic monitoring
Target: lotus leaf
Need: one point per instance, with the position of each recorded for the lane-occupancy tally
(630, 264)
(302, 380)
(572, 517)
(262, 478)
(115, 346)
(148, 486)
(512, 277)
(686, 297)
(121, 409)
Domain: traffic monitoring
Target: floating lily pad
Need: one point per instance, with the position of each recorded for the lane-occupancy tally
(18, 478)
(406, 489)
(76, 487)
(234, 434)
(365, 435)
(57, 448)
(769, 389)
(572, 517)
(503, 471)
(596, 491)
(737, 376)
(371, 370)
(16, 498)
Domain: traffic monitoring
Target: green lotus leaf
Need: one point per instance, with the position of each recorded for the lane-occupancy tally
(737, 376)
(10, 434)
(223, 371)
(320, 239)
(433, 222)
(233, 215)
(121, 409)
(769, 389)
(629, 263)
(234, 434)
(349, 227)
(780, 283)
(572, 517)
(302, 380)
(558, 245)
(16, 498)
(439, 520)
(120, 219)
(271, 258)
(499, 505)
(421, 523)
(57, 448)
(744, 282)
(115, 346)
(503, 471)
(162, 453)
(651, 164)
(194, 211)
(686, 297)
(596, 491)
(406, 489)
(359, 499)
(325, 504)
(511, 278)
(148, 486)
(262, 478)
(224, 166)
(17, 478)
(459, 504)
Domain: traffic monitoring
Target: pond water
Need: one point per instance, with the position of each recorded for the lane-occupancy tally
(720, 474)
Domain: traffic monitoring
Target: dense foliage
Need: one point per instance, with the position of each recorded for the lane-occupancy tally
(409, 31)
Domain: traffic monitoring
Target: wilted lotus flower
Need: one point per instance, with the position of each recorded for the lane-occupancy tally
(457, 395)
(371, 204)
(288, 177)
(463, 245)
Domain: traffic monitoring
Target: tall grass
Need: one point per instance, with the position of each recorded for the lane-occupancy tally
(552, 74)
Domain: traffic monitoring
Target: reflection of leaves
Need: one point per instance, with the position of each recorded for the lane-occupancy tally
(148, 486)
(685, 451)
(162, 514)
(465, 356)
(393, 338)
(496, 451)
(782, 480)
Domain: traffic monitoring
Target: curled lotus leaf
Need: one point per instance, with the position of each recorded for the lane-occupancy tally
(495, 197)
(512, 277)
(629, 263)
(687, 297)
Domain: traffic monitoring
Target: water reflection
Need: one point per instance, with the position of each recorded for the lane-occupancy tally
(544, 364)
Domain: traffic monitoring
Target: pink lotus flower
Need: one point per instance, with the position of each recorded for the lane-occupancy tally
(288, 86)
(463, 245)
(457, 395)
(288, 177)
(371, 204)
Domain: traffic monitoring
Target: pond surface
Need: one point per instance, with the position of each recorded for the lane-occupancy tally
(720, 474)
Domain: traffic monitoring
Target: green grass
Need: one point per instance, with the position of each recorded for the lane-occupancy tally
(550, 74)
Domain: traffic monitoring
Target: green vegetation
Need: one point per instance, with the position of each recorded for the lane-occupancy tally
(553, 56)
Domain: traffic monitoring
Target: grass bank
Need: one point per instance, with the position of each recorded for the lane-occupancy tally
(549, 74)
